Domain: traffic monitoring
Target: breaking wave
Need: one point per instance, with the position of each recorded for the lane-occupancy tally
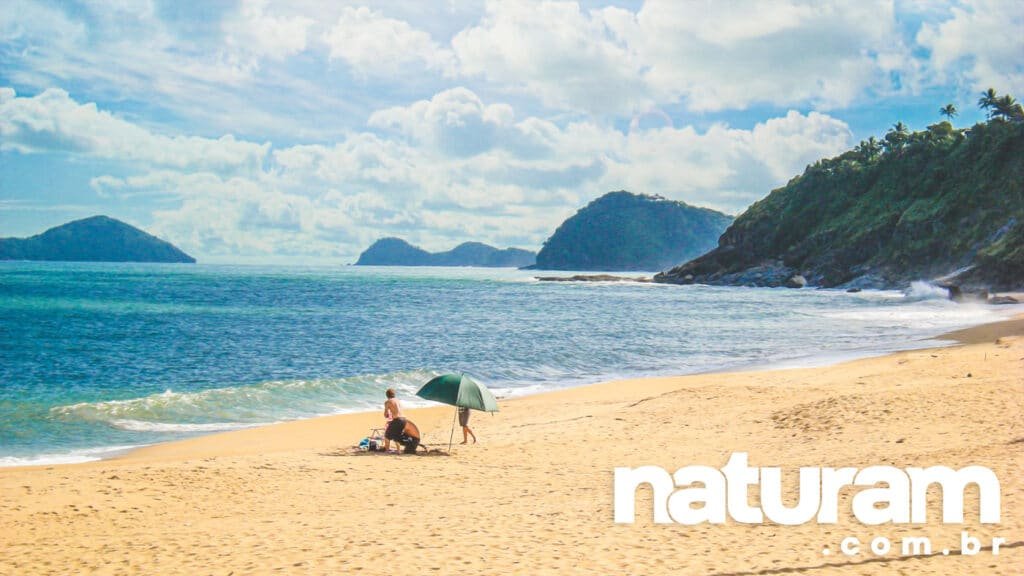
(243, 406)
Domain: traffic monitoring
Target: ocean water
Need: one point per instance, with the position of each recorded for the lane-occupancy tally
(98, 358)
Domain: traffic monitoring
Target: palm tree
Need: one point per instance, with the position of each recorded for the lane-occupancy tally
(1007, 107)
(874, 147)
(949, 111)
(869, 149)
(988, 100)
(896, 137)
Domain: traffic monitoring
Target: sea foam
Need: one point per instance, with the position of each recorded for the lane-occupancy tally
(243, 406)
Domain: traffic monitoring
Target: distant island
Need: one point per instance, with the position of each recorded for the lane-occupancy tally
(622, 231)
(398, 252)
(944, 205)
(95, 239)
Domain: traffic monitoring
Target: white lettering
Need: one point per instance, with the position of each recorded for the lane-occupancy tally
(771, 496)
(953, 483)
(698, 494)
(895, 496)
(969, 545)
(832, 481)
(917, 546)
(880, 545)
(738, 477)
(711, 495)
(627, 480)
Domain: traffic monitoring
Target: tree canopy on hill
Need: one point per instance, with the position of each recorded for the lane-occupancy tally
(398, 252)
(916, 205)
(95, 239)
(625, 231)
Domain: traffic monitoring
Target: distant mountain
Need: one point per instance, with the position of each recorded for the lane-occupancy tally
(95, 239)
(398, 252)
(624, 231)
(943, 204)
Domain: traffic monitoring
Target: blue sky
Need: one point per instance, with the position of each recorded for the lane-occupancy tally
(263, 131)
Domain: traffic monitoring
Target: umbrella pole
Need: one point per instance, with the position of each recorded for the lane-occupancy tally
(452, 435)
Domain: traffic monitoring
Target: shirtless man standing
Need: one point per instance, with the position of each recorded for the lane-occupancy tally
(393, 411)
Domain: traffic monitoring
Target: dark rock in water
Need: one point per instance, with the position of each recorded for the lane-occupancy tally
(959, 294)
(942, 204)
(624, 231)
(767, 274)
(94, 239)
(1003, 300)
(771, 274)
(398, 252)
(592, 278)
(795, 281)
(853, 290)
(867, 280)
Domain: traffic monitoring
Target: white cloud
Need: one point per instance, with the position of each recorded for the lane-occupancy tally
(256, 34)
(725, 55)
(268, 68)
(983, 41)
(723, 168)
(24, 23)
(53, 122)
(516, 182)
(711, 56)
(208, 67)
(454, 121)
(566, 57)
(375, 45)
(788, 144)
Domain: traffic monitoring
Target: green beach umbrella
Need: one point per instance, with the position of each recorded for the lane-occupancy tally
(458, 390)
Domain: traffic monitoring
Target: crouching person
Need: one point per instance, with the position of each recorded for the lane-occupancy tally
(400, 429)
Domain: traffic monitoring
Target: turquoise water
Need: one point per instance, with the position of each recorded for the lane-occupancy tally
(98, 357)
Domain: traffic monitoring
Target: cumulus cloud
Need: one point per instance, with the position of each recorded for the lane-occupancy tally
(255, 33)
(724, 168)
(513, 183)
(437, 171)
(982, 41)
(711, 56)
(53, 122)
(454, 121)
(375, 45)
(725, 55)
(566, 57)
(278, 61)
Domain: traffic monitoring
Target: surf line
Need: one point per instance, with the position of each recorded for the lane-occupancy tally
(697, 494)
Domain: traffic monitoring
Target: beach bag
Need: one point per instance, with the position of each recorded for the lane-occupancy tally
(371, 444)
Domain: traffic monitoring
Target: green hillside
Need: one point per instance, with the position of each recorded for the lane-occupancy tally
(924, 205)
(625, 231)
(398, 252)
(95, 239)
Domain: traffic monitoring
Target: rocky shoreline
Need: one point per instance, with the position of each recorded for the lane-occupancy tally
(593, 278)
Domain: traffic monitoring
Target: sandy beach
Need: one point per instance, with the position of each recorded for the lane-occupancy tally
(535, 494)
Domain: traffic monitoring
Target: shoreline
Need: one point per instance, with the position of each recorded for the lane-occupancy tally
(821, 360)
(955, 337)
(535, 495)
(988, 331)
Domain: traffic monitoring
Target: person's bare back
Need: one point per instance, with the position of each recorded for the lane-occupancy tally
(392, 409)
